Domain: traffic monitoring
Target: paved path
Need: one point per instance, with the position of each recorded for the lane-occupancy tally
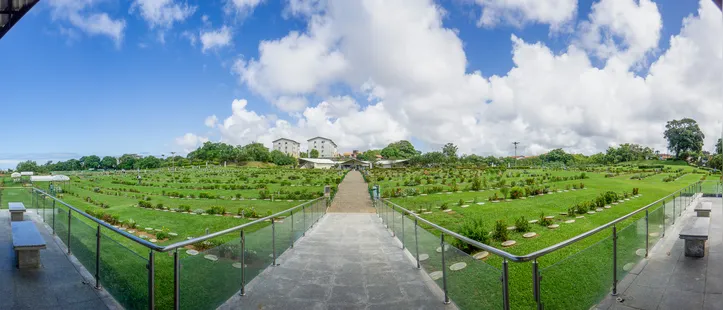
(353, 195)
(670, 280)
(348, 261)
(56, 285)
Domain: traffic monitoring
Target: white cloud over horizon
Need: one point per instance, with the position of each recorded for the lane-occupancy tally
(163, 13)
(414, 73)
(215, 39)
(83, 16)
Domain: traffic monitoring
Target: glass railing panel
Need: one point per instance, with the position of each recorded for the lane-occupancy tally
(656, 218)
(258, 252)
(212, 276)
(61, 224)
(282, 227)
(631, 247)
(430, 254)
(83, 243)
(15, 194)
(472, 283)
(123, 273)
(579, 281)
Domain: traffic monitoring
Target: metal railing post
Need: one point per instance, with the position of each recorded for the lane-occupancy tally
(69, 215)
(402, 213)
(615, 261)
(673, 209)
(97, 258)
(505, 285)
(536, 284)
(393, 220)
(303, 211)
(151, 281)
(444, 270)
(647, 234)
(53, 216)
(273, 241)
(292, 229)
(243, 263)
(663, 234)
(416, 242)
(176, 281)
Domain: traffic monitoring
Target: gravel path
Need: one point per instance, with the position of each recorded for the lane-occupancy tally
(353, 195)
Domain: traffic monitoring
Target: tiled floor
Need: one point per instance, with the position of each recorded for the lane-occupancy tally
(56, 285)
(670, 280)
(348, 261)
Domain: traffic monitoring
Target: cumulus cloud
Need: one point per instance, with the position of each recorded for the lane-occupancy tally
(162, 13)
(241, 6)
(556, 13)
(211, 121)
(83, 16)
(215, 39)
(414, 73)
(190, 142)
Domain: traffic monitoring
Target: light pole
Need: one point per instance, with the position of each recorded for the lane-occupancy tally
(515, 143)
(173, 162)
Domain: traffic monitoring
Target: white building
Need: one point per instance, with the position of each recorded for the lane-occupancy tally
(287, 146)
(325, 147)
(318, 163)
(389, 163)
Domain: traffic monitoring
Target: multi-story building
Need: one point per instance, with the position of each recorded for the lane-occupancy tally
(287, 146)
(325, 147)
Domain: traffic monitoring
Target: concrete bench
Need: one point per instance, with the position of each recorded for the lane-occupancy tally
(16, 211)
(695, 234)
(27, 243)
(703, 209)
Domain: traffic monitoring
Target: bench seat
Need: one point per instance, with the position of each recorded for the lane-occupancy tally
(16, 211)
(703, 209)
(27, 243)
(695, 233)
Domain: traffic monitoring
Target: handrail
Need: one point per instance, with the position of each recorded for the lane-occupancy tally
(542, 252)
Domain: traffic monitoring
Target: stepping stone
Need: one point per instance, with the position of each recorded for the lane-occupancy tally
(508, 199)
(144, 237)
(153, 240)
(427, 212)
(566, 191)
(436, 275)
(149, 228)
(423, 257)
(615, 203)
(131, 231)
(553, 226)
(523, 198)
(511, 228)
(509, 243)
(458, 266)
(569, 221)
(550, 193)
(627, 198)
(559, 191)
(173, 211)
(122, 228)
(165, 210)
(189, 238)
(449, 193)
(459, 191)
(448, 210)
(481, 255)
(236, 265)
(172, 234)
(628, 266)
(495, 201)
(157, 229)
(549, 217)
(640, 252)
(446, 248)
(533, 221)
(211, 257)
(423, 195)
(580, 217)
(218, 215)
(529, 235)
(599, 210)
(621, 201)
(590, 212)
(608, 207)
(464, 206)
(563, 213)
(192, 252)
(289, 200)
(237, 216)
(480, 203)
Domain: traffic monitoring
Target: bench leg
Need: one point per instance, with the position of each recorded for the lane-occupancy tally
(28, 259)
(16, 216)
(703, 213)
(694, 248)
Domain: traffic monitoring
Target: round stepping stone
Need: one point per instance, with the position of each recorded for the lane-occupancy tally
(237, 216)
(149, 228)
(529, 235)
(509, 243)
(458, 266)
(428, 212)
(628, 266)
(439, 249)
(621, 201)
(569, 221)
(144, 237)
(511, 228)
(549, 217)
(508, 199)
(480, 203)
(481, 255)
(211, 257)
(566, 191)
(236, 265)
(523, 198)
(640, 252)
(131, 231)
(580, 217)
(563, 213)
(436, 275)
(599, 210)
(423, 195)
(590, 212)
(423, 257)
(608, 207)
(533, 221)
(615, 203)
(158, 229)
(464, 206)
(627, 198)
(122, 228)
(449, 193)
(447, 210)
(495, 201)
(553, 226)
(153, 240)
(218, 215)
(172, 234)
(189, 238)
(192, 252)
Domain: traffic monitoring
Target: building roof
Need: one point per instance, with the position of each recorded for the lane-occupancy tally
(49, 178)
(319, 160)
(319, 137)
(287, 139)
(11, 11)
(354, 160)
(390, 161)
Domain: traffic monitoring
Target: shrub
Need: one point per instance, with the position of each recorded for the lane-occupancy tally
(460, 202)
(444, 206)
(161, 235)
(522, 225)
(130, 223)
(517, 192)
(159, 206)
(636, 190)
(216, 210)
(145, 204)
(473, 229)
(184, 208)
(582, 185)
(500, 231)
(504, 192)
(543, 221)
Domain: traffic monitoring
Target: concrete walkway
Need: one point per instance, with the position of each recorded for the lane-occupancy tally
(348, 261)
(670, 280)
(58, 284)
(353, 195)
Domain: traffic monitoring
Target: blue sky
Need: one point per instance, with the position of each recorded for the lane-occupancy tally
(70, 92)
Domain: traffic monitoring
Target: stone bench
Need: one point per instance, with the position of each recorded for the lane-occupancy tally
(27, 243)
(16, 211)
(703, 209)
(695, 234)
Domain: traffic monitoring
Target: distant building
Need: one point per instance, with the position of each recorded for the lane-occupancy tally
(390, 163)
(325, 147)
(664, 156)
(287, 146)
(317, 163)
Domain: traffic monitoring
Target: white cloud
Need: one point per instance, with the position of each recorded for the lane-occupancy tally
(211, 121)
(304, 7)
(241, 6)
(636, 24)
(415, 74)
(163, 13)
(190, 142)
(556, 13)
(82, 16)
(215, 39)
(192, 38)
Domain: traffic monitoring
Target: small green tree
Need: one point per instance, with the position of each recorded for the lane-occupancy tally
(314, 153)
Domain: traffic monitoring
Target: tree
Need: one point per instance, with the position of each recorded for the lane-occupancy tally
(399, 150)
(90, 162)
(29, 165)
(370, 155)
(257, 152)
(108, 162)
(719, 147)
(557, 155)
(127, 162)
(684, 137)
(314, 153)
(149, 162)
(281, 159)
(450, 150)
